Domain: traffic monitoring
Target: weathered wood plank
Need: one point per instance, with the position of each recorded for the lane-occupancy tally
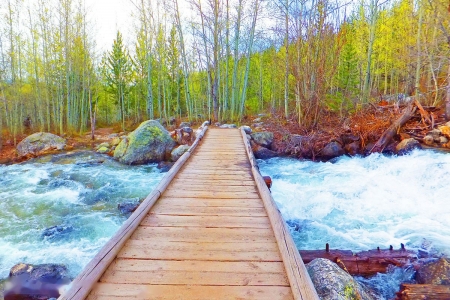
(219, 235)
(212, 194)
(191, 292)
(199, 202)
(165, 209)
(195, 265)
(206, 221)
(183, 186)
(423, 291)
(196, 278)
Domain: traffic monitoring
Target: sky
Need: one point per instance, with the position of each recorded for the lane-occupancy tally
(109, 16)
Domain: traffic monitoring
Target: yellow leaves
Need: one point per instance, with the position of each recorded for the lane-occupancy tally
(26, 89)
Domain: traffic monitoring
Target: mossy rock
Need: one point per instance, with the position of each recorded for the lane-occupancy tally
(39, 143)
(149, 143)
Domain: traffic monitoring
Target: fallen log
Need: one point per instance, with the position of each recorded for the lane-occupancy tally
(387, 136)
(423, 291)
(365, 263)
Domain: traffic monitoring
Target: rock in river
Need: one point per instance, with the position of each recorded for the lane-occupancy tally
(31, 282)
(39, 143)
(263, 139)
(333, 283)
(436, 272)
(150, 142)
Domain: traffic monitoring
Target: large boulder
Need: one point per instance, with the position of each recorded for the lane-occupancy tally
(32, 282)
(261, 152)
(333, 283)
(38, 143)
(332, 150)
(150, 142)
(407, 145)
(264, 139)
(178, 152)
(435, 272)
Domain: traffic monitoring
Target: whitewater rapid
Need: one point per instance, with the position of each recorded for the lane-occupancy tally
(79, 193)
(361, 203)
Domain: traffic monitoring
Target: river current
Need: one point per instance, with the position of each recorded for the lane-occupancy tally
(79, 193)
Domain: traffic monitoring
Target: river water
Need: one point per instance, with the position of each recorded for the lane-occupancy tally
(352, 203)
(79, 193)
(362, 203)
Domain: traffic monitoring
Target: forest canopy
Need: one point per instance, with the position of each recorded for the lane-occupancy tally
(220, 59)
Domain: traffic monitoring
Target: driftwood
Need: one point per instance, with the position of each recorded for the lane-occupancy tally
(365, 263)
(423, 291)
(387, 136)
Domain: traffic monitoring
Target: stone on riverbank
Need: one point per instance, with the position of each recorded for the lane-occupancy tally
(264, 139)
(435, 272)
(38, 143)
(150, 142)
(31, 282)
(333, 283)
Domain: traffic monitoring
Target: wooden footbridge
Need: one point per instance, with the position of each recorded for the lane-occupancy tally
(209, 230)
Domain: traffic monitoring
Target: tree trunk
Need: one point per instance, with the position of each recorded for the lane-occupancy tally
(387, 136)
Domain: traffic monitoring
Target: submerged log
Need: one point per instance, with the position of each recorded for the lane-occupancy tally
(423, 291)
(387, 136)
(365, 263)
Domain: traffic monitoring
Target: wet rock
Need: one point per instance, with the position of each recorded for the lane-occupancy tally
(178, 152)
(407, 145)
(228, 126)
(247, 129)
(332, 150)
(435, 133)
(56, 232)
(39, 143)
(262, 152)
(150, 142)
(165, 166)
(349, 138)
(333, 283)
(435, 272)
(185, 124)
(428, 140)
(264, 139)
(128, 207)
(33, 282)
(353, 148)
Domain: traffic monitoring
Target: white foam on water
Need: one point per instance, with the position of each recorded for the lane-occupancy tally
(362, 203)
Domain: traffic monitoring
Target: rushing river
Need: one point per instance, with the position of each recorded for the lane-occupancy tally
(362, 203)
(79, 193)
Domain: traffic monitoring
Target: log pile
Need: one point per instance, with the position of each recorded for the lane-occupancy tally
(423, 291)
(365, 263)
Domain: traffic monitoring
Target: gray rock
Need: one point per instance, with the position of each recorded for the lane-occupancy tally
(264, 153)
(56, 232)
(333, 283)
(332, 150)
(165, 166)
(187, 130)
(428, 140)
(178, 152)
(103, 150)
(435, 272)
(247, 129)
(40, 142)
(407, 145)
(228, 126)
(115, 141)
(185, 124)
(435, 133)
(353, 148)
(150, 142)
(105, 144)
(31, 282)
(128, 207)
(258, 125)
(264, 139)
